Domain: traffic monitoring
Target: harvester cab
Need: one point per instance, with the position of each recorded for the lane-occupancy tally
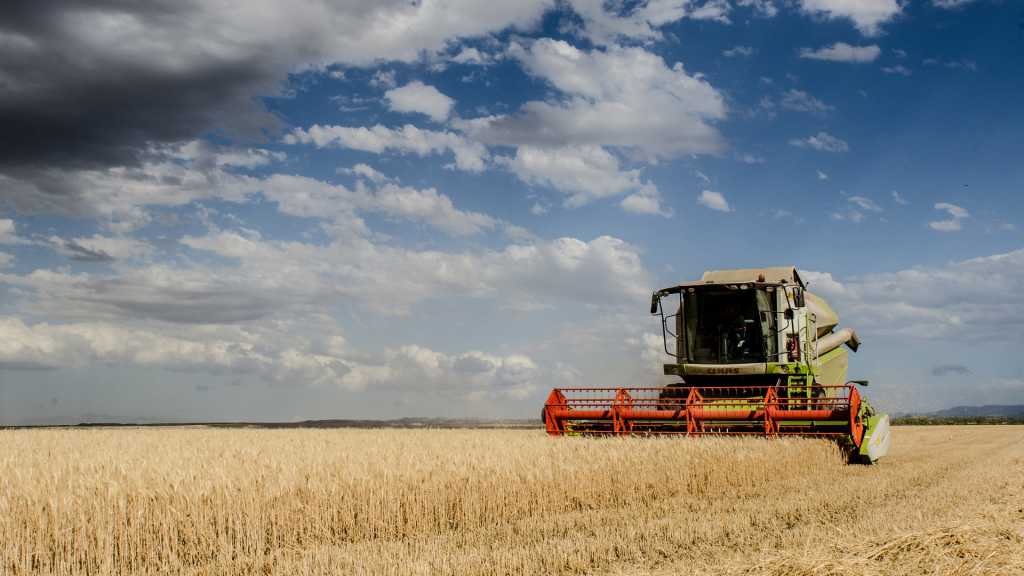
(755, 353)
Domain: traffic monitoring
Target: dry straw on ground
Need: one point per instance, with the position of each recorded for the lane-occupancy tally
(211, 501)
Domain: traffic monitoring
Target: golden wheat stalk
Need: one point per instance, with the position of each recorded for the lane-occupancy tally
(214, 501)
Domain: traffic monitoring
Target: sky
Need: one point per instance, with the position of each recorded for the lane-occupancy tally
(298, 210)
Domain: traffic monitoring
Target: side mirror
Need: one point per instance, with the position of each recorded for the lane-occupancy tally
(655, 303)
(858, 382)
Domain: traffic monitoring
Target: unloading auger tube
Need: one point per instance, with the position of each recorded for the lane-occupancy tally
(755, 354)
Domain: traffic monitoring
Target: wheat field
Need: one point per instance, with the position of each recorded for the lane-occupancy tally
(193, 500)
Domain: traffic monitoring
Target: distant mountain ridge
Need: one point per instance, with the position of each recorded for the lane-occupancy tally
(987, 411)
(987, 414)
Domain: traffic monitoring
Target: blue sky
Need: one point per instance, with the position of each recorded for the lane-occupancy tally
(314, 210)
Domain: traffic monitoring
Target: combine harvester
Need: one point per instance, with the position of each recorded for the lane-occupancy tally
(757, 354)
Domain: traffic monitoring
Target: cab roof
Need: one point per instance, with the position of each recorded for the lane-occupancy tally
(771, 275)
(768, 275)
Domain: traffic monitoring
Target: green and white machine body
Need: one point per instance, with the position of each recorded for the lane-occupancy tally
(756, 328)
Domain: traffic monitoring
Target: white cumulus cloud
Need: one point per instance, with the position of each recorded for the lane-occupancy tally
(822, 141)
(954, 222)
(865, 203)
(271, 354)
(419, 97)
(8, 231)
(763, 8)
(951, 4)
(800, 101)
(898, 69)
(867, 15)
(366, 171)
(714, 200)
(624, 97)
(843, 52)
(605, 23)
(584, 173)
(311, 198)
(470, 156)
(976, 299)
(738, 51)
(647, 200)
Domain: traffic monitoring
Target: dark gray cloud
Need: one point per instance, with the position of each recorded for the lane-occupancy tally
(79, 253)
(177, 296)
(183, 305)
(948, 369)
(92, 84)
(107, 118)
(68, 99)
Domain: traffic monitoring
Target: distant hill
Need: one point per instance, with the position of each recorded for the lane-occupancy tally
(988, 411)
(988, 414)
